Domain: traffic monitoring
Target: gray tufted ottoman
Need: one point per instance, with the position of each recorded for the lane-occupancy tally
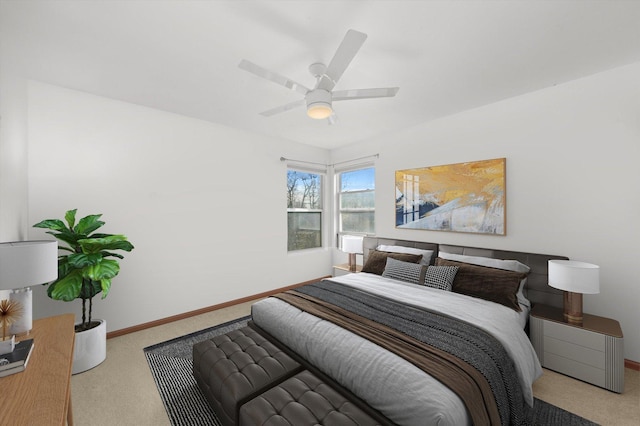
(233, 368)
(303, 400)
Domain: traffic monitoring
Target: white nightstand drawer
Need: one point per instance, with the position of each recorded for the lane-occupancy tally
(575, 335)
(592, 352)
(575, 369)
(575, 352)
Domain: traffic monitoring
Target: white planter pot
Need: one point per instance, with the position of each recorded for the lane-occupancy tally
(90, 348)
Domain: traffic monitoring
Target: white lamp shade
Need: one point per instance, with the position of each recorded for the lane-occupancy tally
(352, 244)
(26, 263)
(574, 276)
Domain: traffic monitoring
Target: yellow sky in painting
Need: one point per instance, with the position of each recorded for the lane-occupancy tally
(442, 184)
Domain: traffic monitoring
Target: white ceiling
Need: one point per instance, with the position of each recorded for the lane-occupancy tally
(446, 56)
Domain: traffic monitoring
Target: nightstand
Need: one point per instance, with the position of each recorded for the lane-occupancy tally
(591, 352)
(343, 269)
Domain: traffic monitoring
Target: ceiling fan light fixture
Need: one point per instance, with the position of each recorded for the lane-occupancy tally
(319, 104)
(319, 110)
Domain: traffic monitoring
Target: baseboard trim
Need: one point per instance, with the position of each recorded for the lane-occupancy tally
(167, 320)
(633, 365)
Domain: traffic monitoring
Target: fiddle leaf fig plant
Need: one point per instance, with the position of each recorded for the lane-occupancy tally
(90, 265)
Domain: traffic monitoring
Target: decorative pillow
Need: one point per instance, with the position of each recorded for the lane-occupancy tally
(495, 285)
(377, 260)
(426, 254)
(440, 277)
(404, 271)
(507, 264)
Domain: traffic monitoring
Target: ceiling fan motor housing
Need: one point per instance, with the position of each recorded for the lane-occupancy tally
(319, 103)
(317, 69)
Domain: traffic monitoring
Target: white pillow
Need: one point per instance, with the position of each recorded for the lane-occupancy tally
(506, 264)
(426, 254)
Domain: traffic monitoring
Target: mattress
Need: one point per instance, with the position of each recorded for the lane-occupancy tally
(389, 383)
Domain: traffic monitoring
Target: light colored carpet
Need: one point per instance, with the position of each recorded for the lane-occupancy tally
(121, 390)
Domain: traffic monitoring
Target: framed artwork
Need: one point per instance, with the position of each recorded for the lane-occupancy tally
(463, 197)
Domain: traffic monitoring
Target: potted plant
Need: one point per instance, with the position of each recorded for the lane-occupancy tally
(84, 272)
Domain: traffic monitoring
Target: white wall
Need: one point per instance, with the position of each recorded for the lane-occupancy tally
(573, 179)
(13, 146)
(166, 181)
(203, 204)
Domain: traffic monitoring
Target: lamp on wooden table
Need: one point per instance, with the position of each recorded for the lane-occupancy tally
(352, 245)
(22, 264)
(575, 278)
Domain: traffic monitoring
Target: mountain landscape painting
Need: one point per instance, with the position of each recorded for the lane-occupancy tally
(462, 197)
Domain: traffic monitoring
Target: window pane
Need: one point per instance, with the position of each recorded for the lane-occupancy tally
(304, 194)
(303, 190)
(358, 180)
(304, 230)
(358, 222)
(358, 200)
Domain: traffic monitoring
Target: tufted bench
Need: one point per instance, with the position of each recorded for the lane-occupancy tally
(302, 400)
(233, 368)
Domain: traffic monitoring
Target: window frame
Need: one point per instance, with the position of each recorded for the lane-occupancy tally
(322, 197)
(338, 196)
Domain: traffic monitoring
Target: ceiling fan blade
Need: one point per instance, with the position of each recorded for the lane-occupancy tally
(272, 76)
(347, 50)
(343, 95)
(283, 108)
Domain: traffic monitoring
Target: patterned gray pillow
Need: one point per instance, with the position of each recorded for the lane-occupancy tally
(404, 271)
(440, 277)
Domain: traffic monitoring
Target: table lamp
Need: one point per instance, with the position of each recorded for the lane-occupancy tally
(352, 245)
(575, 278)
(23, 264)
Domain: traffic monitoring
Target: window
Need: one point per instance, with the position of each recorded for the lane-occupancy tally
(356, 201)
(304, 210)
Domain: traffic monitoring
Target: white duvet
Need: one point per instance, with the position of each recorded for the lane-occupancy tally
(393, 386)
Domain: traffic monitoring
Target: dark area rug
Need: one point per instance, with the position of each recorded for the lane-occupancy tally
(171, 366)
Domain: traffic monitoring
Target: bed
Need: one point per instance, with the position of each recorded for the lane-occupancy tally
(421, 354)
(426, 334)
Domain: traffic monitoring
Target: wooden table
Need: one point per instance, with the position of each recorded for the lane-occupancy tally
(41, 394)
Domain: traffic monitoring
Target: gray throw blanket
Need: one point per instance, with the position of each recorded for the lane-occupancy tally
(457, 338)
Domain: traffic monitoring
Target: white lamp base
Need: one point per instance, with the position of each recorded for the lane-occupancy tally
(352, 262)
(24, 324)
(572, 306)
(6, 346)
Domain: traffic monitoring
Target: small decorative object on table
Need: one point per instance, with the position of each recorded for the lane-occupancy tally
(7, 346)
(10, 311)
(17, 360)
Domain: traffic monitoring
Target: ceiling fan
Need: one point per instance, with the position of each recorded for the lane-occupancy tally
(319, 100)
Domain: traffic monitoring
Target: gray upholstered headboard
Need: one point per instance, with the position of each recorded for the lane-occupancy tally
(537, 288)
